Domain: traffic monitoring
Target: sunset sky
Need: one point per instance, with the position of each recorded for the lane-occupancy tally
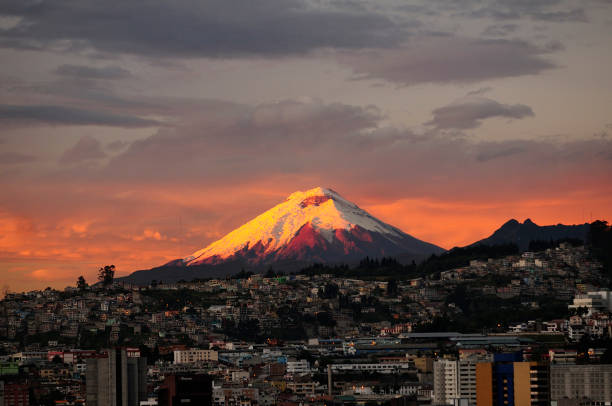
(136, 132)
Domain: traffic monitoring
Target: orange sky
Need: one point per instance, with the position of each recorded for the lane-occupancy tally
(41, 251)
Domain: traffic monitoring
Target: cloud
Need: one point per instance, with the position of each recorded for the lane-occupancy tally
(448, 59)
(85, 149)
(468, 113)
(14, 158)
(149, 234)
(479, 91)
(208, 28)
(311, 142)
(60, 115)
(540, 10)
(117, 145)
(43, 274)
(499, 30)
(90, 72)
(225, 139)
(494, 151)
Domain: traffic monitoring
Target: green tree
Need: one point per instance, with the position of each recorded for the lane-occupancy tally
(106, 275)
(81, 284)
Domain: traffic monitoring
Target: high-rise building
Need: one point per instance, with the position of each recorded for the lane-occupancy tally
(455, 380)
(116, 379)
(509, 381)
(445, 381)
(581, 382)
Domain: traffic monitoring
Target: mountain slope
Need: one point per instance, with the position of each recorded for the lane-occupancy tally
(522, 234)
(317, 225)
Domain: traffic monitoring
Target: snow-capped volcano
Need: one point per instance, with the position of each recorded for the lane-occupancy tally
(317, 225)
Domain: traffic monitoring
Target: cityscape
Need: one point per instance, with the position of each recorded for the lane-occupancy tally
(534, 328)
(305, 202)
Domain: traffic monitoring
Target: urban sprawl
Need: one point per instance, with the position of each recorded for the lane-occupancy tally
(527, 329)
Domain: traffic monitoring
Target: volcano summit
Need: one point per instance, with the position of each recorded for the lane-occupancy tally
(317, 225)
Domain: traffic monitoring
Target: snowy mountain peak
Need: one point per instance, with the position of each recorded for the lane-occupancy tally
(308, 221)
(314, 192)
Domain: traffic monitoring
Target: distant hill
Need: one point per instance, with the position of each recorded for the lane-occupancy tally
(521, 234)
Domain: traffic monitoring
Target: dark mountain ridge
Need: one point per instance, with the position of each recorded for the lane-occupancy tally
(522, 234)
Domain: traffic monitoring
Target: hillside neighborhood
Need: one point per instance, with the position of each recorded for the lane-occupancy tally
(315, 338)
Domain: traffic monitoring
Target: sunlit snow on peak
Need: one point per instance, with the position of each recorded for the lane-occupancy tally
(322, 208)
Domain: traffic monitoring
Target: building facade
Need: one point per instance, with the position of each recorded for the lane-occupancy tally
(592, 382)
(116, 380)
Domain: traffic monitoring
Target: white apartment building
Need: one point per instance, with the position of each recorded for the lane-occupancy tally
(384, 368)
(445, 382)
(455, 381)
(298, 367)
(194, 355)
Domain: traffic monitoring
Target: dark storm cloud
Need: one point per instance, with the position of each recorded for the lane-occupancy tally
(12, 158)
(208, 28)
(449, 59)
(59, 115)
(469, 112)
(86, 148)
(90, 72)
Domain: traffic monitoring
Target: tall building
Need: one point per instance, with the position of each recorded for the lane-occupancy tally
(445, 381)
(509, 381)
(581, 382)
(454, 380)
(116, 379)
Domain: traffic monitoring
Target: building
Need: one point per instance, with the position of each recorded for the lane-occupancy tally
(116, 380)
(455, 381)
(195, 355)
(383, 368)
(14, 394)
(192, 389)
(592, 382)
(508, 381)
(594, 301)
(445, 382)
(298, 367)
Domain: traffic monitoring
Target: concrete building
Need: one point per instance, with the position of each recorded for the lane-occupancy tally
(195, 355)
(455, 381)
(508, 381)
(383, 368)
(594, 302)
(445, 382)
(592, 382)
(298, 367)
(116, 380)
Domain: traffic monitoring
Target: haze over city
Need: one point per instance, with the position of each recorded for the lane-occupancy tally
(135, 133)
